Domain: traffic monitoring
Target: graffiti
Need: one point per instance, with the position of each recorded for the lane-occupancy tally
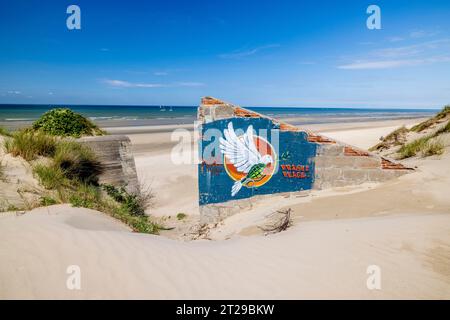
(244, 157)
(295, 171)
(249, 160)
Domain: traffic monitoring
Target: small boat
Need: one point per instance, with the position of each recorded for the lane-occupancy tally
(161, 108)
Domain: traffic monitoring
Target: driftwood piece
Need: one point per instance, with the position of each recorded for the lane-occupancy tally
(281, 224)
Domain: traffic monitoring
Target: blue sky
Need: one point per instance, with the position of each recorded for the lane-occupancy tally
(253, 53)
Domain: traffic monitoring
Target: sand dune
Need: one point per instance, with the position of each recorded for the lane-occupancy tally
(402, 226)
(326, 259)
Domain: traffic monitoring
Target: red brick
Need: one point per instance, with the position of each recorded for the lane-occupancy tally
(240, 112)
(389, 165)
(209, 101)
(348, 151)
(288, 127)
(319, 139)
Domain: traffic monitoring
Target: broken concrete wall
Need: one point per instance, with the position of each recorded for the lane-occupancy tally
(117, 160)
(302, 160)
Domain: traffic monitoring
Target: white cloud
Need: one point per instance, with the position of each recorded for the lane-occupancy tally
(403, 56)
(248, 52)
(422, 34)
(160, 73)
(411, 50)
(389, 64)
(127, 84)
(386, 64)
(190, 84)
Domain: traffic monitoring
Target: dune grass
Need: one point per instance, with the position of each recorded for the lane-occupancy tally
(4, 132)
(29, 145)
(445, 112)
(395, 138)
(50, 177)
(444, 129)
(118, 203)
(435, 147)
(77, 162)
(425, 146)
(70, 174)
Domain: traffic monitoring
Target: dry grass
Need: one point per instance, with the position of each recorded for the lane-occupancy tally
(444, 113)
(395, 138)
(29, 145)
(425, 146)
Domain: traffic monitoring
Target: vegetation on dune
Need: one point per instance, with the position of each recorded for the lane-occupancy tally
(29, 145)
(4, 132)
(432, 148)
(444, 129)
(66, 123)
(425, 146)
(117, 202)
(120, 204)
(444, 113)
(395, 138)
(135, 203)
(77, 162)
(2, 172)
(181, 216)
(47, 201)
(70, 174)
(50, 177)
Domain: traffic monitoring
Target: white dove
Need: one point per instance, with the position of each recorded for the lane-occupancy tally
(242, 153)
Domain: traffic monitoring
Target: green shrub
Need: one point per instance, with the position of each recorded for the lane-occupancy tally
(181, 216)
(131, 209)
(134, 203)
(48, 201)
(64, 122)
(29, 145)
(50, 177)
(77, 162)
(86, 196)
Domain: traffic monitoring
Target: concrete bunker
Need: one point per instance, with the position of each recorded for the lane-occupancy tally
(244, 154)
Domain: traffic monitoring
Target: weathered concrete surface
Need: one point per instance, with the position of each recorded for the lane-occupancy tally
(114, 153)
(334, 164)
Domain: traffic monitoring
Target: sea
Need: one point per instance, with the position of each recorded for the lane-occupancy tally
(18, 115)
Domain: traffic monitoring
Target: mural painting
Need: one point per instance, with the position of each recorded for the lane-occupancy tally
(242, 157)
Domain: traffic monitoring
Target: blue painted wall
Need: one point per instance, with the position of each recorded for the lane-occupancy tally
(295, 163)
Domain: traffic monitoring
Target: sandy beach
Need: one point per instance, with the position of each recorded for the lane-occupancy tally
(402, 226)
